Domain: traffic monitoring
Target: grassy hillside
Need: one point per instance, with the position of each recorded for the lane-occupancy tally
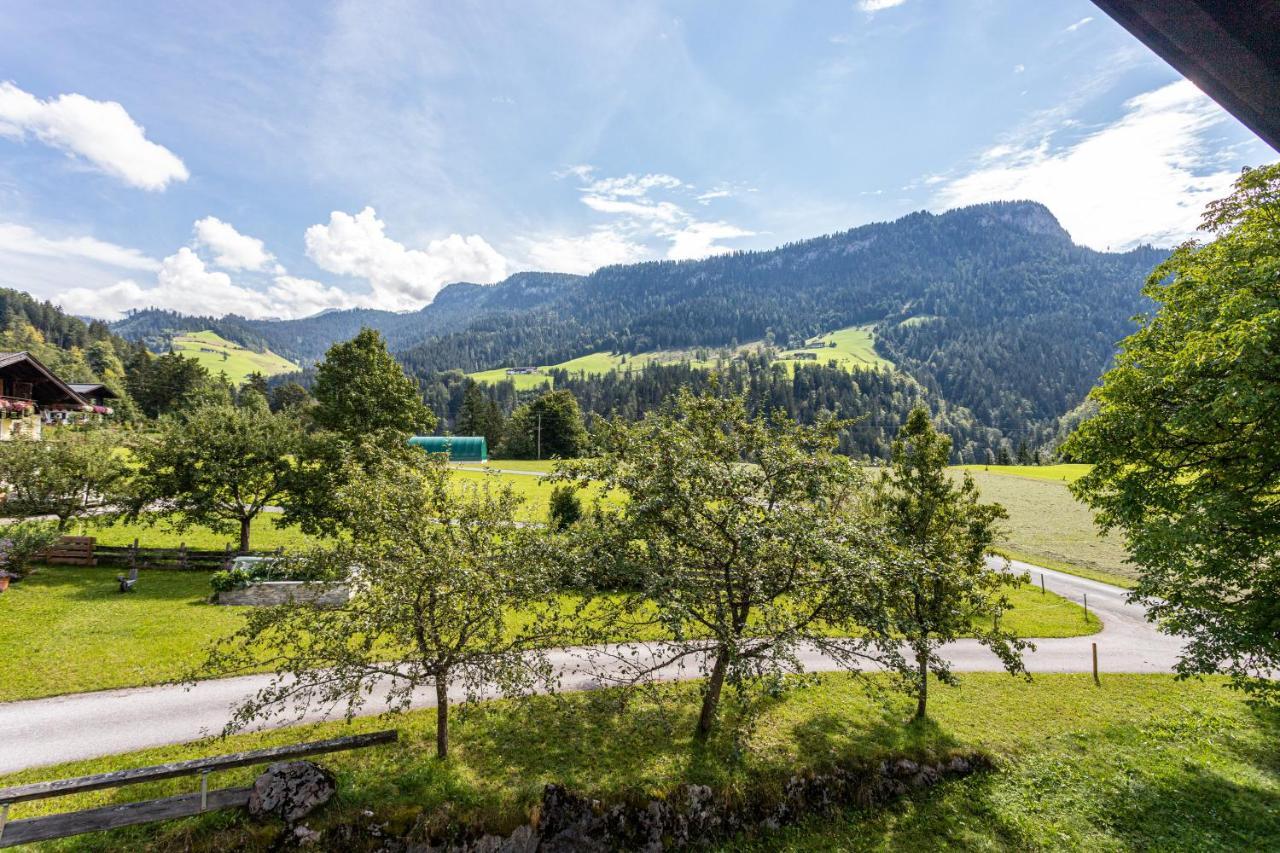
(219, 355)
(852, 348)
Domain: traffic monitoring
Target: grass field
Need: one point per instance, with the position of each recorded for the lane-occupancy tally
(265, 536)
(69, 630)
(852, 348)
(1064, 473)
(1141, 763)
(1049, 527)
(218, 355)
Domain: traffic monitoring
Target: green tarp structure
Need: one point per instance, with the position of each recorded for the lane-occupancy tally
(461, 448)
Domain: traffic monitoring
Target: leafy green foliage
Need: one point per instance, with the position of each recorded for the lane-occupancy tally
(565, 507)
(1186, 442)
(436, 573)
(363, 392)
(220, 467)
(22, 542)
(170, 383)
(480, 415)
(548, 427)
(731, 527)
(937, 586)
(61, 476)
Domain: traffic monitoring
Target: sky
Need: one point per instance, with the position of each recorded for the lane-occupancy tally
(281, 159)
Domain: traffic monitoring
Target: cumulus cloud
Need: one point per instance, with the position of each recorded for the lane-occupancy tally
(99, 132)
(1145, 177)
(699, 240)
(585, 254)
(231, 249)
(400, 278)
(185, 284)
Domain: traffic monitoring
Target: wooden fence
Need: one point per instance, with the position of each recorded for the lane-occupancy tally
(146, 811)
(181, 558)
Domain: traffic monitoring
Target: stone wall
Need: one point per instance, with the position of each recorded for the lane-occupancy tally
(270, 593)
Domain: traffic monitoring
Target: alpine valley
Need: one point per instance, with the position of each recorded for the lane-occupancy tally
(990, 314)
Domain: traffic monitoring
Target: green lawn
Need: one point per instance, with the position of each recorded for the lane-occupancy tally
(69, 630)
(1049, 527)
(219, 355)
(544, 466)
(264, 535)
(1144, 762)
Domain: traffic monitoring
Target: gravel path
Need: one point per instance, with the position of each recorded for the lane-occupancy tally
(85, 725)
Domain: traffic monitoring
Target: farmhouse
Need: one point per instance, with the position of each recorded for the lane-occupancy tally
(31, 397)
(522, 371)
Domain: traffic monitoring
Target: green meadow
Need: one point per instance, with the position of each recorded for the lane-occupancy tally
(219, 355)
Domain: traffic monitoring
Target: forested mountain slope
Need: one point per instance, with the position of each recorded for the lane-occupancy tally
(992, 307)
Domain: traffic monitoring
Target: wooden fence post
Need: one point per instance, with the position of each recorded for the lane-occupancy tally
(1095, 665)
(133, 555)
(182, 555)
(226, 558)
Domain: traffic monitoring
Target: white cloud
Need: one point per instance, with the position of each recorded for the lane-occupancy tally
(1146, 177)
(401, 278)
(663, 211)
(633, 186)
(583, 255)
(873, 6)
(708, 196)
(698, 240)
(231, 249)
(21, 240)
(1019, 68)
(185, 284)
(1078, 24)
(101, 132)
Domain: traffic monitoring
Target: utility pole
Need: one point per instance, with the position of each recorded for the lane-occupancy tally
(539, 436)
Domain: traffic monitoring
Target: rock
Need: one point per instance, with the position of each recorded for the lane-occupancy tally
(291, 790)
(905, 768)
(304, 836)
(959, 766)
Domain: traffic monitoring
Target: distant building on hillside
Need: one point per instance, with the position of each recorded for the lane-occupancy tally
(32, 397)
(522, 371)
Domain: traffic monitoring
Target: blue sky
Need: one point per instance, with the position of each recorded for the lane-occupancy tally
(276, 159)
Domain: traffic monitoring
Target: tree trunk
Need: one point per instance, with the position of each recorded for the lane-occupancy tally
(244, 534)
(442, 717)
(922, 695)
(711, 697)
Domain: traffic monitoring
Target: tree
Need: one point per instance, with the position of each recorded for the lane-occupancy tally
(1185, 444)
(448, 594)
(61, 476)
(289, 396)
(479, 415)
(167, 383)
(939, 587)
(363, 392)
(220, 467)
(742, 538)
(550, 426)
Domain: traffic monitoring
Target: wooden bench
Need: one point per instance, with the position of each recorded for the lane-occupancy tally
(168, 808)
(71, 551)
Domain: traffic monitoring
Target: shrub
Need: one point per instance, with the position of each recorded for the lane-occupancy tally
(230, 579)
(566, 507)
(22, 542)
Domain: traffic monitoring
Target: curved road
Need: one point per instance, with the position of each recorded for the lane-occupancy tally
(85, 725)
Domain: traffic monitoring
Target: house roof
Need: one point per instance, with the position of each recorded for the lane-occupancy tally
(1231, 50)
(31, 367)
(90, 388)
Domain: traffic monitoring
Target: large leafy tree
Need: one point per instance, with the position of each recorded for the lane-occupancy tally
(449, 592)
(937, 586)
(1186, 441)
(743, 544)
(363, 392)
(550, 426)
(62, 476)
(221, 467)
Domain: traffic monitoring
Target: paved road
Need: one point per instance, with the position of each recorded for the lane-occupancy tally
(85, 725)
